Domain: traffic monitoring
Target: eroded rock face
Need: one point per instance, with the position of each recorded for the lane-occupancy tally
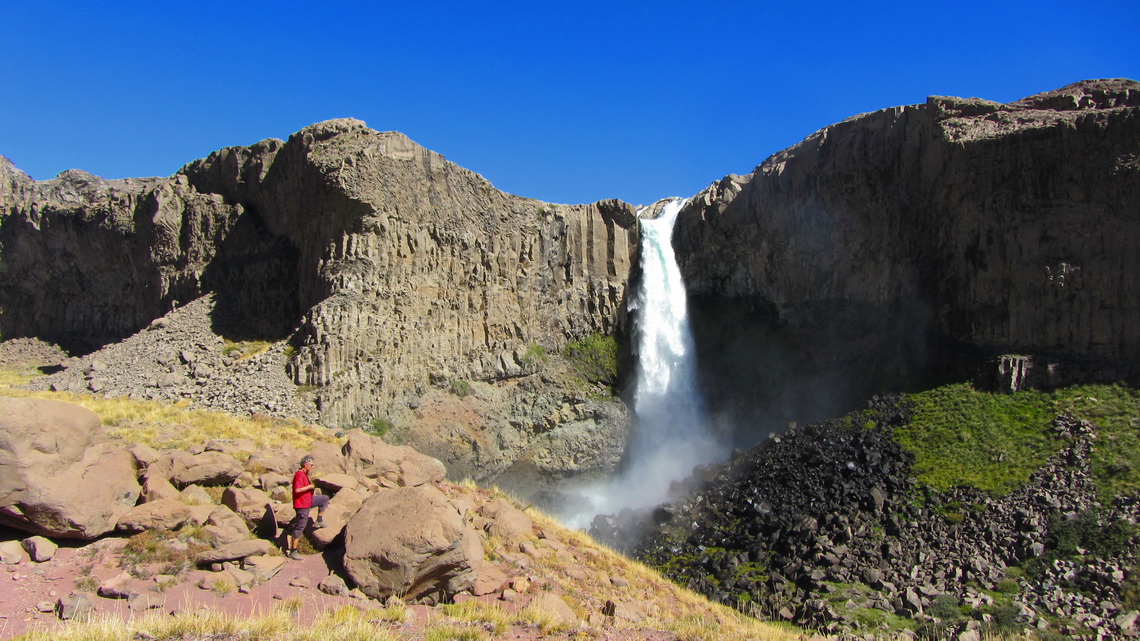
(391, 272)
(59, 476)
(922, 241)
(387, 265)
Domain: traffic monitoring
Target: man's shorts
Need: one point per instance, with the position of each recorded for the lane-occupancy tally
(301, 521)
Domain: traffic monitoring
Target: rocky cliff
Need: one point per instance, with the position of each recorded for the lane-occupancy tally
(922, 242)
(391, 272)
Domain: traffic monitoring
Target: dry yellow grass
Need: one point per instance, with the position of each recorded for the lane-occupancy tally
(162, 425)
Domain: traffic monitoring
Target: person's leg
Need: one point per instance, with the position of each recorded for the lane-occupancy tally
(320, 501)
(294, 538)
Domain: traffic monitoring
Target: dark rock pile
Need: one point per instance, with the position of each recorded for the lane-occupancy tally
(824, 526)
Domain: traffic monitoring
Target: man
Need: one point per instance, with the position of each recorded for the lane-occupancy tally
(304, 498)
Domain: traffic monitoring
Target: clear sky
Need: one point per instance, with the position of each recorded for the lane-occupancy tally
(562, 101)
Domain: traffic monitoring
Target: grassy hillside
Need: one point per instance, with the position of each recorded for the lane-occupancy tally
(993, 442)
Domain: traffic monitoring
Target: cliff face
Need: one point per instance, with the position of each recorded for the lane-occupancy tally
(919, 242)
(388, 268)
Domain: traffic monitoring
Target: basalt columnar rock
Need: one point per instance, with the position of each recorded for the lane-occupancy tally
(920, 242)
(390, 271)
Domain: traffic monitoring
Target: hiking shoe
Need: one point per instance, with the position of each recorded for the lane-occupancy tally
(318, 525)
(295, 555)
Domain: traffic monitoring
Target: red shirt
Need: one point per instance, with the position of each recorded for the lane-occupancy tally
(301, 499)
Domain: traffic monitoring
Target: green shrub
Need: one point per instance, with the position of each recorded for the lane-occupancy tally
(1086, 532)
(945, 607)
(1007, 586)
(379, 427)
(595, 358)
(462, 388)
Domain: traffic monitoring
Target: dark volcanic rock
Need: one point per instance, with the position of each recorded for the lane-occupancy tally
(826, 523)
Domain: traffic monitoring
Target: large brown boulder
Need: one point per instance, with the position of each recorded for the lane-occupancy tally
(59, 476)
(163, 514)
(411, 542)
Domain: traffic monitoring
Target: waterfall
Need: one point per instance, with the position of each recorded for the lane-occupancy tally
(671, 432)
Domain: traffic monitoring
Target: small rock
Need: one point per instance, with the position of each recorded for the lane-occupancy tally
(115, 587)
(334, 585)
(12, 553)
(39, 548)
(74, 607)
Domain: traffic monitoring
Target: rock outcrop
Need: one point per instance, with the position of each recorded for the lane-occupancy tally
(59, 476)
(390, 272)
(921, 242)
(384, 263)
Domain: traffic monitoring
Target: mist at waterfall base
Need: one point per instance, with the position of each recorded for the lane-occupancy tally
(671, 432)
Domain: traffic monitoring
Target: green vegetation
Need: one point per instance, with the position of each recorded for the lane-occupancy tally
(462, 388)
(994, 442)
(175, 550)
(595, 358)
(1115, 410)
(379, 427)
(1089, 532)
(534, 356)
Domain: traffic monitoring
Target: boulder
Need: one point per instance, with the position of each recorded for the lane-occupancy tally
(490, 579)
(263, 567)
(334, 482)
(507, 522)
(144, 455)
(248, 502)
(334, 585)
(59, 476)
(342, 507)
(12, 553)
(207, 468)
(235, 551)
(158, 487)
(411, 542)
(169, 463)
(39, 548)
(164, 514)
(74, 607)
(552, 605)
(196, 495)
(399, 465)
(199, 514)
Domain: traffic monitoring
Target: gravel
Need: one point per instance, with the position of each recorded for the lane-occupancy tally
(177, 357)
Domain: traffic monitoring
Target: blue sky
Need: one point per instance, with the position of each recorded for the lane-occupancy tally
(565, 102)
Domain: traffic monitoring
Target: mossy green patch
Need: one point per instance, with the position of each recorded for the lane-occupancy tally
(595, 358)
(962, 437)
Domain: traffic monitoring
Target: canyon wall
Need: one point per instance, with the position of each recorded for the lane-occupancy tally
(922, 242)
(390, 271)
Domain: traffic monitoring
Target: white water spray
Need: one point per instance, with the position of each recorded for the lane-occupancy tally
(671, 434)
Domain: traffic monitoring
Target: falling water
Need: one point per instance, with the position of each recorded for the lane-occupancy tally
(671, 433)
